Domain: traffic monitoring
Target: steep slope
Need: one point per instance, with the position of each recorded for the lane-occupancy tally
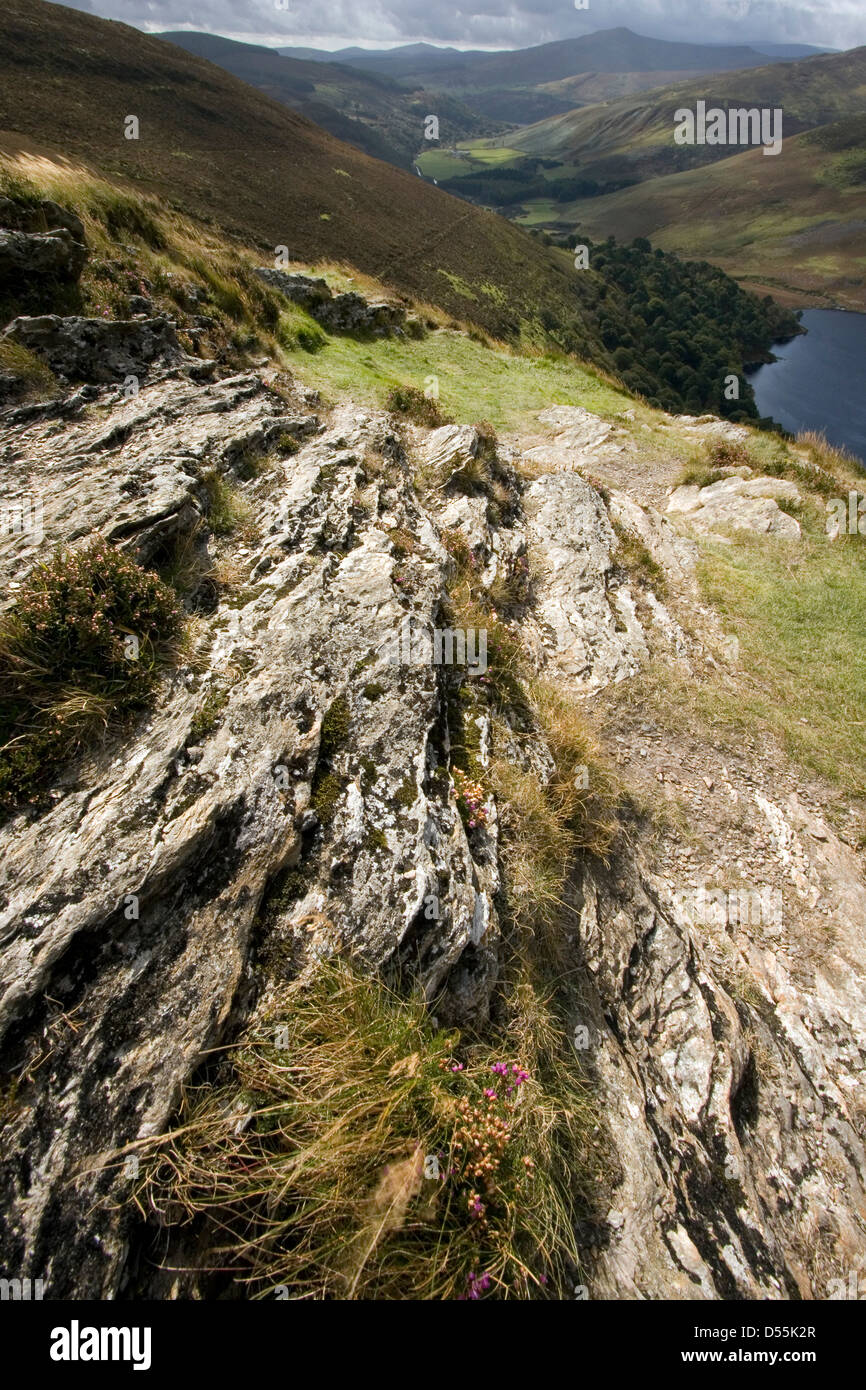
(226, 153)
(230, 154)
(369, 111)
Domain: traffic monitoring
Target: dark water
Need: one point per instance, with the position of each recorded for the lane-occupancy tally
(819, 381)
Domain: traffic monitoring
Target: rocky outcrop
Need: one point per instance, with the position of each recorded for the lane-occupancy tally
(340, 313)
(98, 350)
(42, 216)
(742, 503)
(182, 874)
(135, 476)
(53, 255)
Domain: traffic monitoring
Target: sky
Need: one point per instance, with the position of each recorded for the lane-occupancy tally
(494, 23)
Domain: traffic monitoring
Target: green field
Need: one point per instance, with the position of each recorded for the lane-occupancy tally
(475, 382)
(441, 164)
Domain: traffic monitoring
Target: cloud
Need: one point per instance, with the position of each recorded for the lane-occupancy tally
(495, 23)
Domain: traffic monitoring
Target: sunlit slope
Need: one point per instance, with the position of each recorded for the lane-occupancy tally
(634, 137)
(223, 151)
(794, 223)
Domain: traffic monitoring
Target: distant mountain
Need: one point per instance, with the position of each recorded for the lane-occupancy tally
(525, 85)
(371, 111)
(610, 50)
(409, 61)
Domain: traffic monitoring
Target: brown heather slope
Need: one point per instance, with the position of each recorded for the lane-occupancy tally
(223, 151)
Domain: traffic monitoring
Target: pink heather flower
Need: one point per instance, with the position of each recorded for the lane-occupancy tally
(491, 1094)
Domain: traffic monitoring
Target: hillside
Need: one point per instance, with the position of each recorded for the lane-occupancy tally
(795, 229)
(369, 111)
(793, 223)
(210, 145)
(635, 138)
(215, 145)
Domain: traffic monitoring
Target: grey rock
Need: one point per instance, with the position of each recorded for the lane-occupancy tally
(43, 216)
(742, 503)
(342, 313)
(97, 350)
(54, 255)
(735, 1130)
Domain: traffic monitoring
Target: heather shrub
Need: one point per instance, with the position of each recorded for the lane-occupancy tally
(82, 645)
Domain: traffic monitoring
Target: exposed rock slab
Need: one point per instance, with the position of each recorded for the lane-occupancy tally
(341, 313)
(747, 504)
(589, 633)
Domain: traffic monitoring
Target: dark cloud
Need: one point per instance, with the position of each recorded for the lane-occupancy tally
(496, 23)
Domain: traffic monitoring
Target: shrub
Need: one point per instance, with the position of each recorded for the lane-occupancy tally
(411, 402)
(82, 644)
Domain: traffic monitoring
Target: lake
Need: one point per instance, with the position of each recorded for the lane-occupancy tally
(819, 381)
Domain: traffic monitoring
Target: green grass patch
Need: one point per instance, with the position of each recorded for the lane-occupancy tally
(227, 510)
(799, 612)
(476, 380)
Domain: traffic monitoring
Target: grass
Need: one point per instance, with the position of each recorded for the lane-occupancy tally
(347, 1149)
(412, 403)
(812, 463)
(31, 378)
(475, 380)
(634, 556)
(799, 612)
(81, 646)
(227, 510)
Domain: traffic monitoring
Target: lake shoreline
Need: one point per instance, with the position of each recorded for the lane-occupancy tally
(817, 379)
